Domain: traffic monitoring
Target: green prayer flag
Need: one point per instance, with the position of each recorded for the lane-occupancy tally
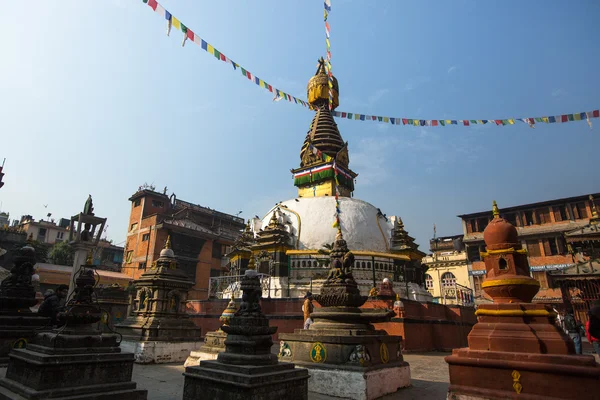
(504, 121)
(474, 121)
(243, 71)
(217, 54)
(538, 120)
(183, 28)
(145, 1)
(410, 121)
(442, 122)
(570, 117)
(349, 115)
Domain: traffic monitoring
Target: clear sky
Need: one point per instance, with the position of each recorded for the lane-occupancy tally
(95, 98)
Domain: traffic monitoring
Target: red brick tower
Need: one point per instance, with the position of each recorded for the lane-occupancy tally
(516, 350)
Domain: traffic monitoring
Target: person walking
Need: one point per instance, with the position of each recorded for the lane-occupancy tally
(573, 330)
(307, 309)
(53, 303)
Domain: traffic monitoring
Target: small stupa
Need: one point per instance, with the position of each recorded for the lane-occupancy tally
(159, 330)
(346, 356)
(246, 369)
(516, 351)
(214, 342)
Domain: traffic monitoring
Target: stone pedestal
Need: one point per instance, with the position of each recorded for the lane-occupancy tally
(345, 355)
(247, 369)
(214, 343)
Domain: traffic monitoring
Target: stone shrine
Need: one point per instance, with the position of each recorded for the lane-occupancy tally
(247, 369)
(17, 294)
(159, 330)
(74, 362)
(344, 353)
(516, 350)
(214, 342)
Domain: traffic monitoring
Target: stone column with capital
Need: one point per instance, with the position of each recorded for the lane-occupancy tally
(81, 251)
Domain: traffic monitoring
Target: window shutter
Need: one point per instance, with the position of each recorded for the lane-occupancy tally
(556, 211)
(547, 251)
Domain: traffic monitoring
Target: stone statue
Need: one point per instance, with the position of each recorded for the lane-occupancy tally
(87, 233)
(340, 266)
(88, 209)
(18, 284)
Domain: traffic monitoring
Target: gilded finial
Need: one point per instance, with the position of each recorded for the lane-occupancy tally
(339, 235)
(251, 263)
(90, 258)
(168, 242)
(495, 210)
(397, 297)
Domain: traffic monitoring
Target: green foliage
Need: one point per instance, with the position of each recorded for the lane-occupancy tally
(61, 253)
(41, 250)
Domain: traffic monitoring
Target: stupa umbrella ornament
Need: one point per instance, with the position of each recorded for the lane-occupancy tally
(84, 235)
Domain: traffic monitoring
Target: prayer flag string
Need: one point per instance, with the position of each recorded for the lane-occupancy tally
(188, 34)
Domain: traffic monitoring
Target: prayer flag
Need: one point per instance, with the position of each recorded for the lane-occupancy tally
(210, 49)
(204, 45)
(160, 10)
(474, 122)
(168, 17)
(511, 121)
(223, 58)
(327, 5)
(442, 122)
(504, 121)
(454, 122)
(362, 117)
(415, 122)
(545, 119)
(176, 23)
(596, 113)
(498, 122)
(270, 88)
(434, 123)
(356, 116)
(380, 119)
(551, 119)
(386, 119)
(422, 122)
(466, 123)
(217, 53)
(582, 115)
(577, 117)
(564, 118)
(197, 40)
(570, 117)
(410, 121)
(153, 4)
(349, 115)
(537, 119)
(393, 121)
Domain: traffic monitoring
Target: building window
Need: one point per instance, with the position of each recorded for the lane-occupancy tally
(512, 218)
(477, 282)
(137, 202)
(216, 250)
(133, 227)
(142, 265)
(533, 248)
(481, 224)
(471, 227)
(428, 281)
(448, 280)
(158, 203)
(129, 256)
(473, 253)
(552, 247)
(60, 235)
(145, 237)
(543, 215)
(580, 210)
(528, 220)
(541, 277)
(41, 234)
(560, 213)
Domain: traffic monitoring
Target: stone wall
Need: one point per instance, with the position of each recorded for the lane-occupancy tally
(424, 326)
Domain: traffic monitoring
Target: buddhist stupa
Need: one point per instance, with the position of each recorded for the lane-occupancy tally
(291, 240)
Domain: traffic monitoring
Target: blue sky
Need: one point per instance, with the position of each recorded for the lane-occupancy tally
(95, 98)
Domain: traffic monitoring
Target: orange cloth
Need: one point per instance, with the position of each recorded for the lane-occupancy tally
(307, 308)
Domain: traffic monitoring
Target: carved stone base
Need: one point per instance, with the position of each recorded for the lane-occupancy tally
(160, 352)
(214, 343)
(216, 380)
(507, 375)
(15, 327)
(358, 385)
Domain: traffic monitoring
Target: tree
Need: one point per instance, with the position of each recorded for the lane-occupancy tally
(61, 253)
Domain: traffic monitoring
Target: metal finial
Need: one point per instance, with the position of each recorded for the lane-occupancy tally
(168, 242)
(90, 258)
(495, 210)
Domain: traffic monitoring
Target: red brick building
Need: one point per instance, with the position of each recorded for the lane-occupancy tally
(200, 237)
(542, 228)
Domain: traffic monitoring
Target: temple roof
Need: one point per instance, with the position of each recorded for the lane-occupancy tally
(325, 136)
(273, 234)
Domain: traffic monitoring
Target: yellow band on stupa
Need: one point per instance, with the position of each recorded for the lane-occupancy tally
(512, 281)
(502, 251)
(515, 313)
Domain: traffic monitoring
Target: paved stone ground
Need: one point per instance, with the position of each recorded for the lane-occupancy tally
(429, 380)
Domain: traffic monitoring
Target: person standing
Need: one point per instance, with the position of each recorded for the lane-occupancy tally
(573, 330)
(53, 302)
(307, 309)
(592, 327)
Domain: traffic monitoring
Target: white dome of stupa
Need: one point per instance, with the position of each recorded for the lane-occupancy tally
(363, 225)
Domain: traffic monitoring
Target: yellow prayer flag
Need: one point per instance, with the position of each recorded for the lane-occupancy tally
(511, 121)
(175, 22)
(577, 117)
(328, 44)
(356, 116)
(545, 119)
(415, 122)
(480, 121)
(210, 49)
(261, 83)
(386, 119)
(448, 122)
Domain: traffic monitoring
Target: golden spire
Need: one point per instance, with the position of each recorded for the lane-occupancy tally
(495, 210)
(90, 258)
(251, 263)
(318, 88)
(168, 242)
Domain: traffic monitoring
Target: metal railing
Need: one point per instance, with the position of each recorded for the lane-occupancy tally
(220, 287)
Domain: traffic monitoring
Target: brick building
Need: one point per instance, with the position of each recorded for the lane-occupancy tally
(542, 228)
(200, 237)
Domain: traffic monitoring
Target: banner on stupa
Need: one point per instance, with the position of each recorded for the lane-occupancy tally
(189, 34)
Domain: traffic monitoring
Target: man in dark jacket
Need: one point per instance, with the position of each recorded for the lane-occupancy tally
(573, 330)
(53, 303)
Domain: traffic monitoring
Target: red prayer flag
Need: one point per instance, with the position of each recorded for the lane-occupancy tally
(596, 113)
(466, 123)
(248, 74)
(404, 121)
(343, 115)
(153, 4)
(223, 58)
(498, 122)
(564, 118)
(434, 123)
(373, 118)
(190, 34)
(270, 88)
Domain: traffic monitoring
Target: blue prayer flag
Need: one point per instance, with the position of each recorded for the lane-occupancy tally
(167, 15)
(204, 45)
(393, 121)
(551, 119)
(453, 122)
(362, 117)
